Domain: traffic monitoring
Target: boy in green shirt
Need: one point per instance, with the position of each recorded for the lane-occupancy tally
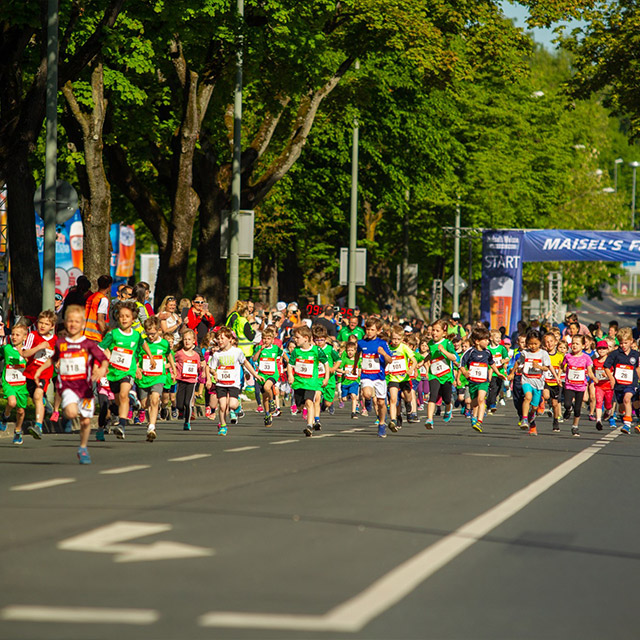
(269, 359)
(14, 382)
(303, 375)
(500, 359)
(442, 357)
(403, 361)
(320, 334)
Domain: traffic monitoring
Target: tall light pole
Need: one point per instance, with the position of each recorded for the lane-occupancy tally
(353, 230)
(456, 261)
(635, 164)
(236, 184)
(616, 162)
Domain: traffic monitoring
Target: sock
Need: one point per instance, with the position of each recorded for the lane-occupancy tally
(151, 427)
(317, 419)
(122, 422)
(39, 424)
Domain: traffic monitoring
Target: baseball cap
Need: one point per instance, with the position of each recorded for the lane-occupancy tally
(281, 306)
(455, 315)
(307, 322)
(408, 328)
(602, 344)
(506, 340)
(293, 306)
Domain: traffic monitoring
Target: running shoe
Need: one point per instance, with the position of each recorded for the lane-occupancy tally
(268, 420)
(174, 414)
(207, 412)
(272, 406)
(447, 416)
(393, 426)
(599, 425)
(612, 422)
(463, 411)
(233, 417)
(625, 429)
(476, 424)
(151, 434)
(382, 430)
(307, 431)
(524, 424)
(533, 431)
(100, 435)
(560, 419)
(3, 425)
(276, 412)
(492, 409)
(305, 413)
(637, 428)
(186, 426)
(592, 418)
(467, 413)
(17, 437)
(136, 420)
(83, 455)
(364, 413)
(119, 431)
(317, 426)
(377, 422)
(240, 413)
(260, 409)
(567, 413)
(556, 426)
(575, 431)
(130, 414)
(35, 430)
(55, 416)
(143, 416)
(341, 404)
(294, 410)
(413, 417)
(331, 410)
(354, 415)
(222, 431)
(502, 402)
(428, 424)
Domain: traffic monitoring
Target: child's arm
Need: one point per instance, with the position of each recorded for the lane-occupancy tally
(496, 371)
(248, 367)
(172, 365)
(451, 356)
(145, 346)
(385, 355)
(47, 363)
(100, 371)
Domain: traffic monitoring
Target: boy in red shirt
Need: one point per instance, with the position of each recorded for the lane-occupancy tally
(39, 348)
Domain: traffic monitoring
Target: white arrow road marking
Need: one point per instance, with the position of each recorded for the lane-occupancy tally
(110, 538)
(31, 613)
(355, 613)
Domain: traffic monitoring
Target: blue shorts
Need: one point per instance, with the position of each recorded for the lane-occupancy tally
(621, 391)
(536, 394)
(348, 389)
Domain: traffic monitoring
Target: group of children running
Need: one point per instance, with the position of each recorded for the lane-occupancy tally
(432, 370)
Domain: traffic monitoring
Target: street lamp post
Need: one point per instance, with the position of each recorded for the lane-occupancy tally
(616, 162)
(635, 164)
(353, 218)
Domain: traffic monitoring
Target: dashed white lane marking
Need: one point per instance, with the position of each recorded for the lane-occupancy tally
(284, 441)
(323, 435)
(238, 449)
(29, 613)
(353, 430)
(195, 456)
(44, 484)
(133, 467)
(488, 455)
(354, 614)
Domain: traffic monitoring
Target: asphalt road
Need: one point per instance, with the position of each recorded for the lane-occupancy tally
(267, 534)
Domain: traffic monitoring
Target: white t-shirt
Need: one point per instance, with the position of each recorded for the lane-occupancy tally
(227, 365)
(103, 307)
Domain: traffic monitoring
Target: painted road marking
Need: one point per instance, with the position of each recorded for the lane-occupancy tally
(117, 470)
(354, 614)
(29, 613)
(323, 435)
(488, 455)
(284, 441)
(109, 539)
(195, 456)
(238, 449)
(353, 430)
(45, 484)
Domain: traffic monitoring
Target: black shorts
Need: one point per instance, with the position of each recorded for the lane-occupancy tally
(222, 391)
(405, 385)
(32, 386)
(554, 391)
(302, 395)
(114, 385)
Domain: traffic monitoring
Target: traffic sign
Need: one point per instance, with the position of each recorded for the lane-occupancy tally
(448, 284)
(66, 201)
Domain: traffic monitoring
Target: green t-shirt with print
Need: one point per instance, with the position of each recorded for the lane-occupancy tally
(304, 363)
(268, 360)
(125, 349)
(440, 367)
(160, 375)
(500, 356)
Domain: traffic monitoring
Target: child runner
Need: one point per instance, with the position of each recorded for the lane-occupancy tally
(320, 335)
(515, 375)
(80, 363)
(577, 366)
(604, 390)
(268, 357)
(533, 362)
(442, 355)
(397, 373)
(374, 356)
(14, 383)
(123, 345)
(475, 365)
(169, 392)
(422, 391)
(500, 359)
(152, 381)
(225, 365)
(302, 371)
(38, 348)
(188, 368)
(624, 380)
(350, 386)
(551, 391)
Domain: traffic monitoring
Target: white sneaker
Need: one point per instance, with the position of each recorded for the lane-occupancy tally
(151, 433)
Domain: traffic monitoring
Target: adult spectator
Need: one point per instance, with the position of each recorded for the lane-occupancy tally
(79, 293)
(325, 319)
(170, 320)
(455, 326)
(352, 328)
(573, 317)
(242, 324)
(97, 310)
(198, 317)
(139, 296)
(123, 293)
(293, 313)
(636, 330)
(147, 303)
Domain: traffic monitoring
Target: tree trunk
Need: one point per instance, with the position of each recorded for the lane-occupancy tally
(269, 278)
(96, 191)
(290, 278)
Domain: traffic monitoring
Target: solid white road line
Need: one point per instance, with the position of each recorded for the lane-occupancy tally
(86, 615)
(284, 441)
(117, 470)
(357, 612)
(195, 456)
(238, 449)
(44, 484)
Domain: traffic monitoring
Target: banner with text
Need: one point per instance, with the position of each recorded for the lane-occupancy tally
(558, 245)
(501, 278)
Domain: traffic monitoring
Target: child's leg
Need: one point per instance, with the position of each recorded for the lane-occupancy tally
(85, 431)
(381, 409)
(223, 402)
(481, 406)
(393, 403)
(12, 401)
(354, 402)
(526, 403)
(599, 395)
(577, 407)
(20, 413)
(38, 401)
(153, 402)
(310, 405)
(434, 395)
(123, 401)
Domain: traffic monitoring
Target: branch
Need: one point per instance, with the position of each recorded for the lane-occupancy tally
(303, 122)
(73, 20)
(81, 119)
(177, 59)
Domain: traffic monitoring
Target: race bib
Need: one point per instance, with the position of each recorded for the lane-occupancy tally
(439, 367)
(497, 360)
(121, 358)
(146, 365)
(225, 375)
(73, 367)
(478, 372)
(14, 375)
(531, 368)
(548, 375)
(370, 363)
(304, 368)
(601, 375)
(423, 371)
(349, 374)
(623, 374)
(43, 355)
(576, 374)
(267, 365)
(321, 369)
(190, 369)
(398, 366)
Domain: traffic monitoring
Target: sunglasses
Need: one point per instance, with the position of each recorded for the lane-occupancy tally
(170, 298)
(198, 302)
